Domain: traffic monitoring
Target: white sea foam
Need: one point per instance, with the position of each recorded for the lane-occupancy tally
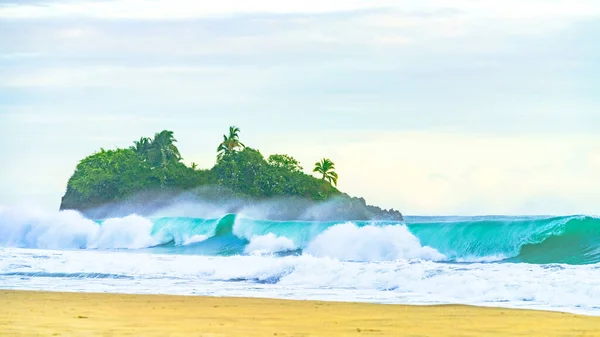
(129, 232)
(473, 259)
(194, 239)
(269, 243)
(554, 287)
(370, 243)
(372, 263)
(35, 229)
(71, 230)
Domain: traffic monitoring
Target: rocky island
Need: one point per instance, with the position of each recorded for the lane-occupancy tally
(151, 174)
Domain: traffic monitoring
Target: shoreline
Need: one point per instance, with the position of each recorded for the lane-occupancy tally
(27, 313)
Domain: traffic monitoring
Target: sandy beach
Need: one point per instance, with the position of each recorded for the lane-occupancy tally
(31, 313)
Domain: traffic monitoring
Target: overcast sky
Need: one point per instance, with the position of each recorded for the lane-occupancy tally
(429, 106)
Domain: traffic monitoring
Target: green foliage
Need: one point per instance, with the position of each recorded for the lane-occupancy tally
(164, 146)
(247, 173)
(230, 143)
(180, 177)
(284, 161)
(142, 146)
(158, 151)
(327, 169)
(238, 171)
(110, 175)
(155, 164)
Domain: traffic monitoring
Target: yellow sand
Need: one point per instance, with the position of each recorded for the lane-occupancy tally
(24, 313)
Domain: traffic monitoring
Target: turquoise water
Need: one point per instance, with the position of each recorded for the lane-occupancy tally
(541, 240)
(571, 239)
(548, 263)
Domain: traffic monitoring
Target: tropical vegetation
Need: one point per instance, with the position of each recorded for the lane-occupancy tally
(230, 143)
(159, 151)
(326, 168)
(154, 165)
(284, 161)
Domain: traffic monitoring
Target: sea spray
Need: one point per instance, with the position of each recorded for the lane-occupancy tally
(553, 287)
(269, 243)
(130, 232)
(543, 240)
(370, 243)
(525, 262)
(53, 230)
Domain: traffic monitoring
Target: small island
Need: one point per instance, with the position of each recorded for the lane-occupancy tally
(151, 174)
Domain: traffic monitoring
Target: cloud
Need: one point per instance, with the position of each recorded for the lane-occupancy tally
(275, 31)
(113, 76)
(182, 9)
(78, 119)
(433, 106)
(16, 55)
(75, 33)
(187, 9)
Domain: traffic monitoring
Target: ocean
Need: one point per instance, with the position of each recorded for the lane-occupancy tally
(542, 262)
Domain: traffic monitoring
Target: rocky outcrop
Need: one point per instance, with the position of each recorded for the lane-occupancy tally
(220, 200)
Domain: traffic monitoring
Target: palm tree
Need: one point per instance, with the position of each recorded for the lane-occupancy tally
(159, 152)
(230, 143)
(164, 146)
(194, 166)
(327, 168)
(142, 146)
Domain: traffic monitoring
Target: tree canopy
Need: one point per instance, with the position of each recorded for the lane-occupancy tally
(154, 166)
(155, 163)
(284, 161)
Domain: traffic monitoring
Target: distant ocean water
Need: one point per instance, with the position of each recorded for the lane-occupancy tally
(528, 262)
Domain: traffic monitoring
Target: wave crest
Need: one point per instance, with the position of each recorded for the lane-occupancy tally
(541, 240)
(370, 243)
(132, 232)
(269, 243)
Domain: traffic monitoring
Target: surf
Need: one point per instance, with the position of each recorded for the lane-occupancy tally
(540, 240)
(537, 240)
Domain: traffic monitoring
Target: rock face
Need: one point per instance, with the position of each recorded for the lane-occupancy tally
(218, 199)
(345, 207)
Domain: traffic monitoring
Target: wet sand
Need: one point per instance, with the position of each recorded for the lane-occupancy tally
(32, 313)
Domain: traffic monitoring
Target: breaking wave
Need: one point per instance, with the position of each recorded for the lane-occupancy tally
(571, 239)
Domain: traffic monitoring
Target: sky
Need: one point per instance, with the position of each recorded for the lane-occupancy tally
(432, 107)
